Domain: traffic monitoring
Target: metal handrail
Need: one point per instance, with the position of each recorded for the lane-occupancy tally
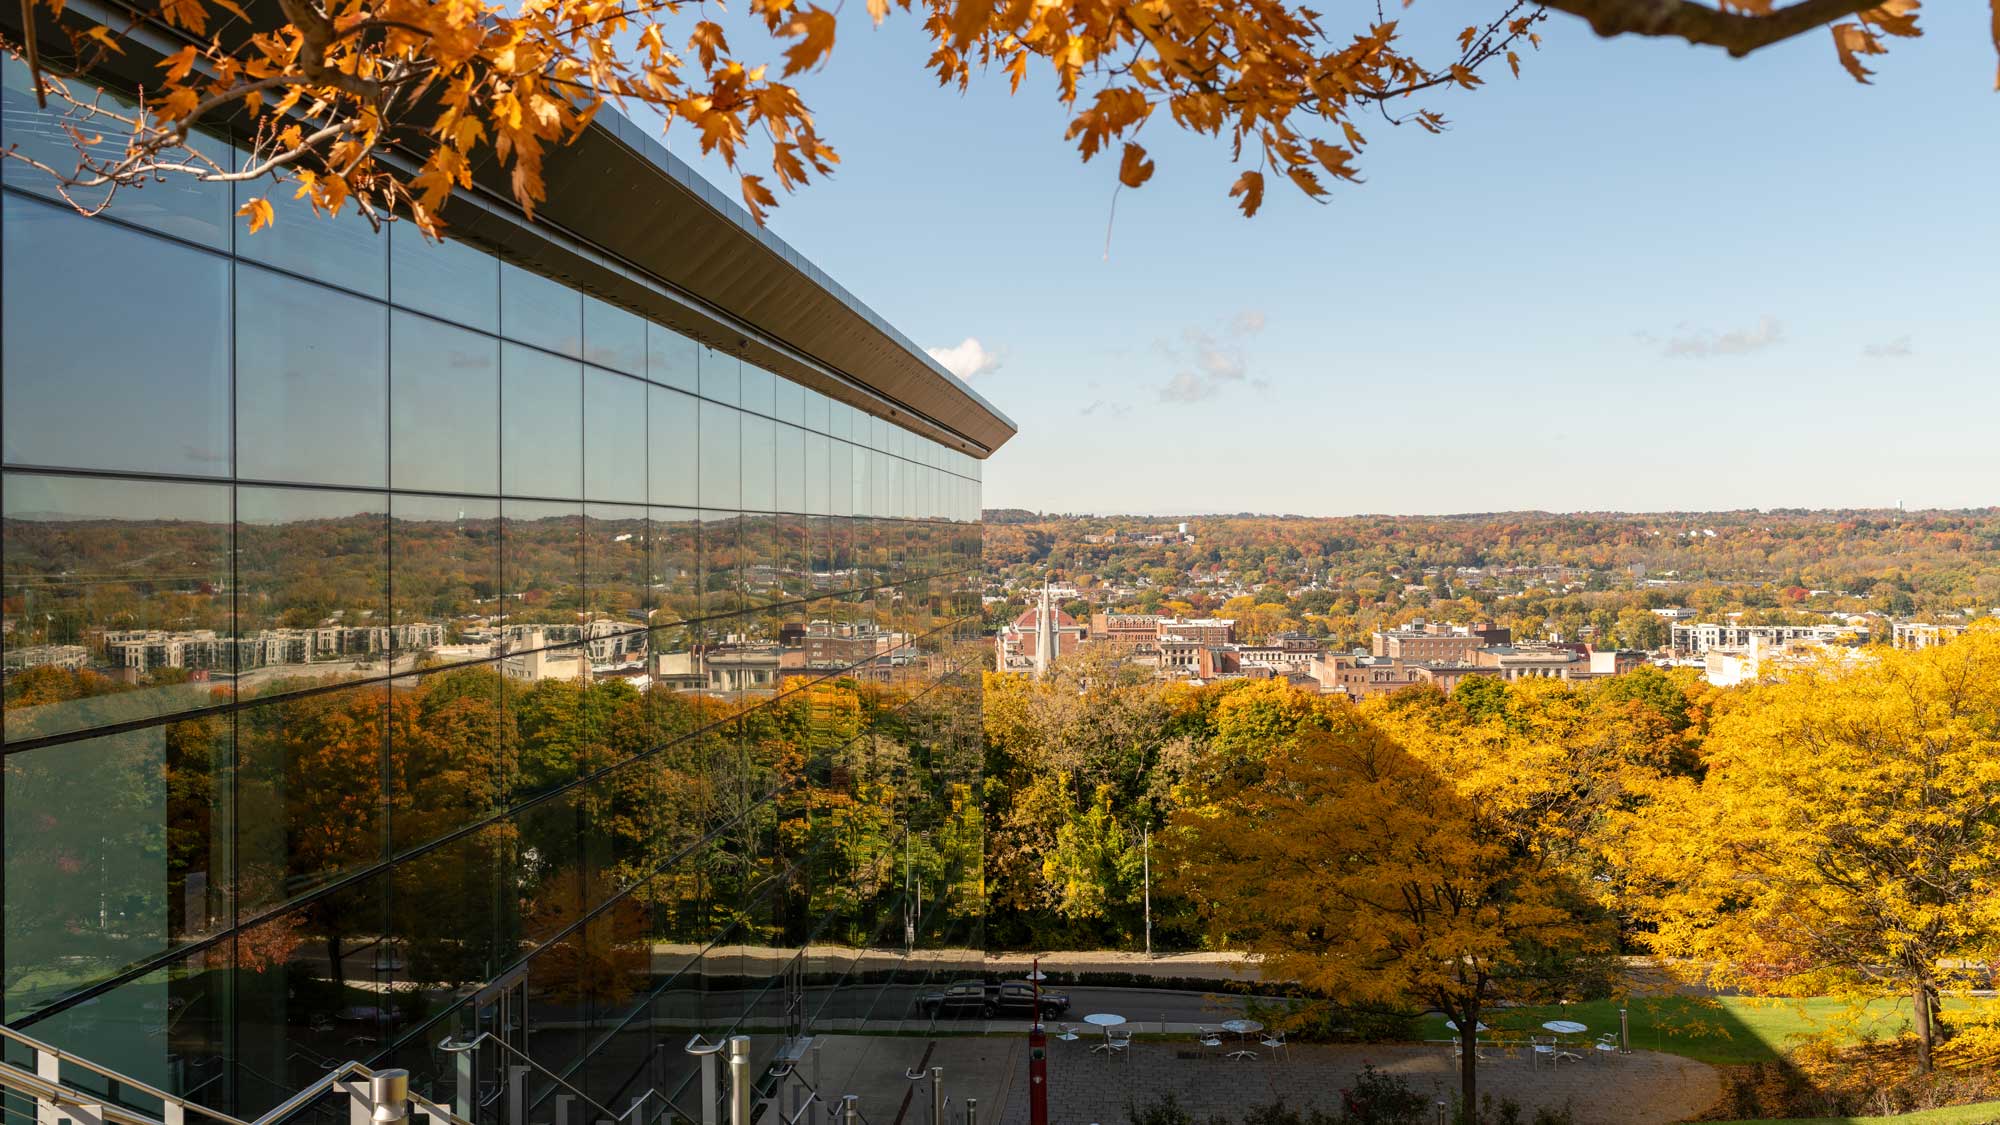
(455, 1047)
(18, 1078)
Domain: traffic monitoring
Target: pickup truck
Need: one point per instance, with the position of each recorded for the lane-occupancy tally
(1008, 998)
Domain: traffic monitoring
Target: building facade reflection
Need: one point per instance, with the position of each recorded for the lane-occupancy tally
(401, 643)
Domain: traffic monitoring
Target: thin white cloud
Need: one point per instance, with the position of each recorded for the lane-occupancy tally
(1692, 344)
(1897, 348)
(968, 359)
(1187, 387)
(1210, 360)
(1107, 407)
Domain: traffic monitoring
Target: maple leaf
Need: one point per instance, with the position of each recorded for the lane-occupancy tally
(260, 213)
(1851, 41)
(757, 197)
(185, 13)
(813, 28)
(1134, 169)
(1250, 185)
(103, 36)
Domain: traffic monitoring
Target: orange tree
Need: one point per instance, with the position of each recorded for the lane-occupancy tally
(1370, 876)
(392, 104)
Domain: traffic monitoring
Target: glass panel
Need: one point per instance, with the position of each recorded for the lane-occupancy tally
(671, 358)
(118, 592)
(791, 402)
(538, 311)
(338, 249)
(309, 789)
(444, 406)
(721, 555)
(721, 376)
(449, 279)
(615, 566)
(178, 205)
(312, 599)
(315, 986)
(446, 561)
(542, 577)
(451, 763)
(818, 464)
(759, 463)
(816, 410)
(675, 565)
(673, 455)
(117, 849)
(613, 337)
(614, 444)
(459, 907)
(840, 479)
(312, 382)
(759, 390)
(721, 457)
(541, 424)
(151, 395)
(789, 495)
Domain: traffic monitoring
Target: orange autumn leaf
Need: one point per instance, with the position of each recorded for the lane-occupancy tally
(1134, 169)
(259, 212)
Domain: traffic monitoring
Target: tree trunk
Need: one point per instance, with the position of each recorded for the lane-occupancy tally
(1922, 1007)
(1468, 1060)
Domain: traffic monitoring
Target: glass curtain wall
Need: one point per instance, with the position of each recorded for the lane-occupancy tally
(400, 644)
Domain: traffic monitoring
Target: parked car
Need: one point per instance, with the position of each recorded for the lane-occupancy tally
(1017, 997)
(961, 998)
(975, 997)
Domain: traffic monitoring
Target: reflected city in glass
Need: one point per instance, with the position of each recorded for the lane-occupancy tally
(422, 647)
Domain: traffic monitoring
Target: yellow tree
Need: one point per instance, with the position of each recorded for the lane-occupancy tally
(391, 105)
(1846, 837)
(1364, 874)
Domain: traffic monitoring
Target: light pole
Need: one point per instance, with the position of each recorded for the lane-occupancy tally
(1146, 867)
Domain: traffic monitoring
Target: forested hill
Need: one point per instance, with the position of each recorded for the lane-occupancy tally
(1343, 576)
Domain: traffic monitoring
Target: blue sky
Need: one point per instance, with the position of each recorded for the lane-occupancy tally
(1642, 277)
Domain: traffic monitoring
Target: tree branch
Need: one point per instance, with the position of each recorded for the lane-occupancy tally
(1735, 32)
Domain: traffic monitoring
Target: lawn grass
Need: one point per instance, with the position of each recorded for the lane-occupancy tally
(1729, 1030)
(1986, 1113)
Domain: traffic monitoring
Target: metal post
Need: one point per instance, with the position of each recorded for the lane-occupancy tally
(464, 1066)
(850, 1109)
(1441, 1109)
(48, 1068)
(739, 1080)
(390, 1091)
(517, 1096)
(972, 1111)
(1624, 1033)
(937, 1096)
(1146, 859)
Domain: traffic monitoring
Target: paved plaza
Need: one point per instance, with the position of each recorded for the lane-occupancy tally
(1643, 1088)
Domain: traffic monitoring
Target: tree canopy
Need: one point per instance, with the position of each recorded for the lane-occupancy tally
(391, 105)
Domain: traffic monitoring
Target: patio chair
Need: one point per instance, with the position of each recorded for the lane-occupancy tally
(1275, 1041)
(1210, 1040)
(1544, 1049)
(1606, 1046)
(1067, 1032)
(1119, 1039)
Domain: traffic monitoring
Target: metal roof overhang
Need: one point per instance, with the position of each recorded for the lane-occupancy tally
(625, 219)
